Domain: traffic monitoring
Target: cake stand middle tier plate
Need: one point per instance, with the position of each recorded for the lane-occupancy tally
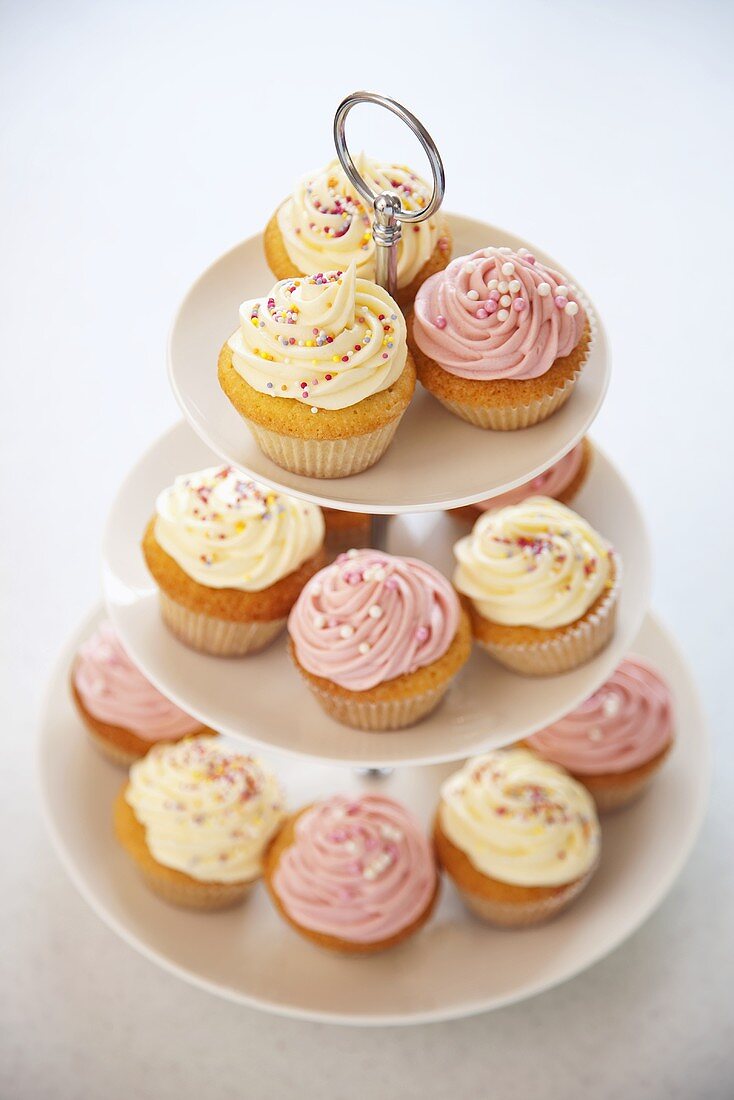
(435, 459)
(263, 700)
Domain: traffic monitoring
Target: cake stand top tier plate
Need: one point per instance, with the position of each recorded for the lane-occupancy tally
(435, 460)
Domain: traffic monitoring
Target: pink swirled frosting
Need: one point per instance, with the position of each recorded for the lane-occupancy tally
(625, 723)
(360, 869)
(497, 314)
(550, 483)
(370, 617)
(115, 691)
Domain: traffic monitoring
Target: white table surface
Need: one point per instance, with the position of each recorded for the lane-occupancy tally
(140, 140)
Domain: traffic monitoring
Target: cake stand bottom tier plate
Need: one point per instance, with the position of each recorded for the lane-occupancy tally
(456, 966)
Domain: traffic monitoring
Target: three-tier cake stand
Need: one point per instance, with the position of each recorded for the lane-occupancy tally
(456, 966)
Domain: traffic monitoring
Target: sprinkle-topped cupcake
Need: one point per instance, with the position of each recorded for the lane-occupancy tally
(196, 817)
(499, 338)
(326, 224)
(355, 875)
(320, 370)
(541, 586)
(378, 638)
(230, 558)
(519, 837)
(562, 481)
(616, 740)
(121, 709)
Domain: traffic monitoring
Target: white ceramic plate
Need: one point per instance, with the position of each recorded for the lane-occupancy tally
(456, 966)
(262, 698)
(435, 461)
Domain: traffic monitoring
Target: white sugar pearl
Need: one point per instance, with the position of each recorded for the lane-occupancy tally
(502, 315)
(503, 287)
(378, 574)
(515, 286)
(492, 284)
(611, 705)
(508, 268)
(314, 409)
(319, 621)
(352, 553)
(473, 294)
(469, 268)
(595, 734)
(544, 289)
(571, 309)
(364, 648)
(561, 292)
(505, 250)
(346, 631)
(522, 252)
(375, 612)
(505, 300)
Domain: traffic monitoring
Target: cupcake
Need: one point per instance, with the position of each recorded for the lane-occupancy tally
(562, 481)
(616, 741)
(230, 558)
(355, 875)
(122, 711)
(378, 639)
(517, 835)
(196, 818)
(540, 584)
(346, 531)
(326, 224)
(320, 371)
(499, 338)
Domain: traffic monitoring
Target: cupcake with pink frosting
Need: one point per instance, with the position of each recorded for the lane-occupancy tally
(499, 338)
(378, 639)
(616, 741)
(122, 711)
(561, 481)
(355, 875)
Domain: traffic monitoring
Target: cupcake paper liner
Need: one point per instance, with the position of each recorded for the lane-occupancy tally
(381, 716)
(613, 797)
(575, 646)
(194, 894)
(217, 637)
(523, 914)
(325, 458)
(510, 418)
(119, 756)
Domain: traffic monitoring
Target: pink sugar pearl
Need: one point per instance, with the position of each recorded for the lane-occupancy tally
(440, 322)
(561, 302)
(482, 313)
(491, 306)
(519, 304)
(494, 295)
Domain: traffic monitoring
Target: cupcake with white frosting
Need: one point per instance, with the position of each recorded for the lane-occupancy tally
(320, 371)
(196, 817)
(541, 586)
(518, 836)
(326, 224)
(230, 558)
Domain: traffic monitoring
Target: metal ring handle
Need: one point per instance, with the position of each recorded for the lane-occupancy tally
(434, 159)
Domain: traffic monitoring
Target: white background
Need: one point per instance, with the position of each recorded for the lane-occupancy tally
(142, 139)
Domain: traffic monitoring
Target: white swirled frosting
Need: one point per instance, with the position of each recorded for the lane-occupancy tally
(326, 223)
(227, 532)
(520, 820)
(536, 563)
(328, 340)
(207, 811)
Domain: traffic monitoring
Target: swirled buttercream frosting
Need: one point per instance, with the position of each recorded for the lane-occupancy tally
(497, 314)
(520, 819)
(360, 869)
(327, 224)
(327, 340)
(370, 617)
(207, 811)
(625, 723)
(536, 563)
(226, 531)
(113, 690)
